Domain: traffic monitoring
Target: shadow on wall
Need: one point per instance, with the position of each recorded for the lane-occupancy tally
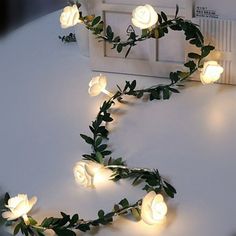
(14, 13)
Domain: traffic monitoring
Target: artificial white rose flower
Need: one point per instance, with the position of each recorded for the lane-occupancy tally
(70, 16)
(19, 206)
(211, 72)
(153, 209)
(97, 85)
(144, 17)
(89, 173)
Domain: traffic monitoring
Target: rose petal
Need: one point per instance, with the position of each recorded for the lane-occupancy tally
(94, 90)
(7, 215)
(33, 201)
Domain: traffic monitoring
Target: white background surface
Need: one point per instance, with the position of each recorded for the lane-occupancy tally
(45, 106)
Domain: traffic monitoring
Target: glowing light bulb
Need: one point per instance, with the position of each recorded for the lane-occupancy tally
(18, 207)
(154, 209)
(89, 174)
(211, 72)
(70, 16)
(144, 17)
(159, 208)
(97, 85)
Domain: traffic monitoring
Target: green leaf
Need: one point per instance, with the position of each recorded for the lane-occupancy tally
(102, 147)
(206, 50)
(173, 90)
(116, 208)
(174, 77)
(133, 85)
(103, 131)
(106, 153)
(75, 218)
(107, 117)
(191, 65)
(144, 32)
(87, 139)
(64, 232)
(83, 227)
(101, 214)
(6, 198)
(166, 93)
(170, 187)
(124, 202)
(164, 16)
(98, 141)
(177, 11)
(32, 221)
(140, 95)
(169, 192)
(159, 18)
(119, 48)
(110, 33)
(194, 55)
(155, 94)
(152, 181)
(136, 180)
(96, 20)
(47, 222)
(17, 229)
(109, 216)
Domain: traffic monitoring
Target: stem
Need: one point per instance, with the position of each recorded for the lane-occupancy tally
(26, 219)
(121, 211)
(107, 93)
(127, 168)
(125, 209)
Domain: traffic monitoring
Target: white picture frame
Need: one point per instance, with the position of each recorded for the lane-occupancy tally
(150, 58)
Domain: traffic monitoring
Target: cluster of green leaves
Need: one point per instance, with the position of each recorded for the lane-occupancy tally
(156, 92)
(70, 38)
(99, 136)
(152, 179)
(66, 225)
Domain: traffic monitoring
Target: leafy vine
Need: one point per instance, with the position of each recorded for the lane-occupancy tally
(15, 209)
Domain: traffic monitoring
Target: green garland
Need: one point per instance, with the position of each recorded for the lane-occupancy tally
(151, 179)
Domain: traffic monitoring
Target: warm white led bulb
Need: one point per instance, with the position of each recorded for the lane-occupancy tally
(18, 207)
(144, 17)
(154, 209)
(211, 72)
(97, 85)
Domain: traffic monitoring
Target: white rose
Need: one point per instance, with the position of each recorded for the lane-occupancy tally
(89, 173)
(211, 72)
(97, 85)
(153, 209)
(19, 206)
(70, 16)
(144, 17)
